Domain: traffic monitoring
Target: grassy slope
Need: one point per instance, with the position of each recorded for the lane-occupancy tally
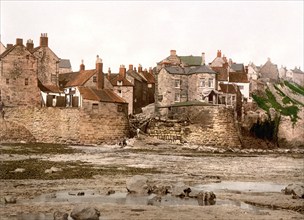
(290, 106)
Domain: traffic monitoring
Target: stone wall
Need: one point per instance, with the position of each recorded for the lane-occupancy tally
(63, 125)
(202, 125)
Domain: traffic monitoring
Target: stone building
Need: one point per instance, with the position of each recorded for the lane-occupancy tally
(150, 77)
(253, 71)
(65, 66)
(184, 83)
(48, 61)
(18, 76)
(122, 86)
(269, 72)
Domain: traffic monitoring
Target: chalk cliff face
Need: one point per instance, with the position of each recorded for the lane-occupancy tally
(278, 116)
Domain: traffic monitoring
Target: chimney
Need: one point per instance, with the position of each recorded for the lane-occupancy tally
(82, 66)
(19, 41)
(151, 70)
(219, 53)
(29, 44)
(139, 68)
(100, 80)
(131, 67)
(43, 40)
(203, 59)
(8, 46)
(109, 73)
(172, 52)
(122, 71)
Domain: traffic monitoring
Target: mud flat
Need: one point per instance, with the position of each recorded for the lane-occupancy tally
(247, 182)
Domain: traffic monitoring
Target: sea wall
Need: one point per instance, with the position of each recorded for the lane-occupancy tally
(63, 125)
(202, 125)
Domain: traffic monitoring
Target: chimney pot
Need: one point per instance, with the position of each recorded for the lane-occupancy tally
(100, 77)
(203, 58)
(172, 52)
(130, 66)
(139, 68)
(219, 53)
(19, 41)
(30, 44)
(44, 40)
(82, 66)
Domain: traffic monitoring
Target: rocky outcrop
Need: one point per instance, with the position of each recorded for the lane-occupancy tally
(85, 213)
(297, 190)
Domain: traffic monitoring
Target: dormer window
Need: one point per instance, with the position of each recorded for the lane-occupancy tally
(119, 83)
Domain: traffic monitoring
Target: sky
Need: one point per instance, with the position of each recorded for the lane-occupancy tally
(144, 32)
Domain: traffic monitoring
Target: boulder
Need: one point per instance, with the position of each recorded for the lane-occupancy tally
(137, 184)
(160, 189)
(180, 190)
(85, 213)
(60, 215)
(156, 201)
(10, 199)
(297, 190)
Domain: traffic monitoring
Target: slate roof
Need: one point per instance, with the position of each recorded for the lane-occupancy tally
(191, 60)
(237, 67)
(135, 75)
(64, 63)
(189, 70)
(104, 95)
(296, 70)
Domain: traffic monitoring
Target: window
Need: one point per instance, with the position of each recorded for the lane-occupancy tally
(53, 78)
(7, 81)
(94, 79)
(177, 97)
(95, 107)
(119, 92)
(149, 85)
(210, 83)
(26, 81)
(119, 83)
(202, 83)
(177, 83)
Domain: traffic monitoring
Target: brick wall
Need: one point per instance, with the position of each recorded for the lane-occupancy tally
(203, 125)
(63, 125)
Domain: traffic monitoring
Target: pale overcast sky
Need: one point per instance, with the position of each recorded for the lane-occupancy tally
(144, 32)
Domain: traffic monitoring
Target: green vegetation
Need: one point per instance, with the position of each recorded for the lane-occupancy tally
(269, 101)
(35, 169)
(36, 148)
(295, 87)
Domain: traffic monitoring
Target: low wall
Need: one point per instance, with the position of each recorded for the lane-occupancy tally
(62, 125)
(205, 125)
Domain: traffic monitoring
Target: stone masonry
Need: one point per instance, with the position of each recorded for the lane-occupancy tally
(63, 125)
(202, 125)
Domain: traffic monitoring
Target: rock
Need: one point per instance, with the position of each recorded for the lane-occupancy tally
(10, 199)
(161, 189)
(111, 191)
(19, 170)
(156, 200)
(53, 170)
(180, 189)
(85, 213)
(137, 184)
(297, 190)
(60, 215)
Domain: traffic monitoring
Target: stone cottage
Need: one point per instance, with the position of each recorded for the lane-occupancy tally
(18, 76)
(269, 72)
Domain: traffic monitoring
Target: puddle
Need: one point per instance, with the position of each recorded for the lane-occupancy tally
(242, 186)
(123, 198)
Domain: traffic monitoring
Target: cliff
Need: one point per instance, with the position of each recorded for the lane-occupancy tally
(277, 115)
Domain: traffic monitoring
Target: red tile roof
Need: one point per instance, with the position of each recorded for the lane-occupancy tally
(150, 78)
(49, 88)
(222, 73)
(117, 77)
(228, 88)
(79, 78)
(238, 77)
(104, 95)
